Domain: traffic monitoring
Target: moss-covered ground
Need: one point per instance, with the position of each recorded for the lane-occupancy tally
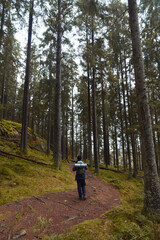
(125, 222)
(20, 178)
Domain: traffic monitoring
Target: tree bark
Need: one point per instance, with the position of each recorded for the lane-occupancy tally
(116, 146)
(57, 125)
(2, 24)
(151, 180)
(95, 135)
(3, 94)
(72, 147)
(89, 120)
(26, 84)
(105, 138)
(126, 122)
(66, 144)
(121, 119)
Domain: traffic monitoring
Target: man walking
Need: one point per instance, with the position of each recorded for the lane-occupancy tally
(80, 177)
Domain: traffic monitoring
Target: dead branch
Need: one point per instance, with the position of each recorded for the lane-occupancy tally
(28, 159)
(35, 148)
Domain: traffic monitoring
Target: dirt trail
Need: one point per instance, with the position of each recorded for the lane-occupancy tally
(54, 212)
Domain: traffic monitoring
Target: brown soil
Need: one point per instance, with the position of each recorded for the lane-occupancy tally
(54, 212)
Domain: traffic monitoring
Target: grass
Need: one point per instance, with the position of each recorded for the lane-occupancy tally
(126, 221)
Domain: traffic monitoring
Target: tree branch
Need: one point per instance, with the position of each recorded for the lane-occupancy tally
(28, 159)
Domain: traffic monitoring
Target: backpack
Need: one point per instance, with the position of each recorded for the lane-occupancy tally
(80, 170)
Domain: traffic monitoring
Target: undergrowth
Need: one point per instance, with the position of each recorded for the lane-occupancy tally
(123, 222)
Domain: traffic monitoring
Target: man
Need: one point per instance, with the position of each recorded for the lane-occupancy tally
(80, 177)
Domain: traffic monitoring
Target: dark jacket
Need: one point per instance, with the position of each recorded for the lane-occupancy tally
(80, 176)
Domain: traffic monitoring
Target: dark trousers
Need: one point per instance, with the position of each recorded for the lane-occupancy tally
(81, 186)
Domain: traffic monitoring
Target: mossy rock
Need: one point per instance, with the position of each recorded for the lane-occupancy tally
(9, 129)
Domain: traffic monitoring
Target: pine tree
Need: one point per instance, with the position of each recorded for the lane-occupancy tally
(151, 180)
(26, 85)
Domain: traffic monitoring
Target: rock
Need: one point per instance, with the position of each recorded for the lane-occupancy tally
(16, 133)
(20, 233)
(43, 146)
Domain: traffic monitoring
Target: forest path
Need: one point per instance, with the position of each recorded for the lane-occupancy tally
(52, 213)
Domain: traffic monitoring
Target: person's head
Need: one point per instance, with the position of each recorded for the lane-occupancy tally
(79, 157)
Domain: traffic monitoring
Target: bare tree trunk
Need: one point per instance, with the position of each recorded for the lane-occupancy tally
(95, 135)
(26, 84)
(151, 180)
(126, 124)
(2, 24)
(49, 110)
(63, 138)
(121, 119)
(66, 141)
(49, 131)
(3, 94)
(57, 125)
(72, 148)
(133, 142)
(105, 139)
(158, 140)
(117, 156)
(84, 140)
(89, 121)
(89, 150)
(76, 139)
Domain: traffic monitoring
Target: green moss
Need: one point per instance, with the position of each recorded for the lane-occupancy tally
(16, 175)
(9, 128)
(129, 223)
(85, 230)
(6, 173)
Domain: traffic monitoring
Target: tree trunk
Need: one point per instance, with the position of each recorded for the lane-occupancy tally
(57, 125)
(117, 156)
(63, 137)
(158, 139)
(49, 109)
(106, 145)
(3, 94)
(89, 121)
(72, 148)
(84, 140)
(26, 84)
(121, 119)
(95, 135)
(49, 131)
(133, 142)
(76, 139)
(126, 122)
(2, 24)
(151, 180)
(66, 141)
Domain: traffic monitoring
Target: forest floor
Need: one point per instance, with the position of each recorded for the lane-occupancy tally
(52, 213)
